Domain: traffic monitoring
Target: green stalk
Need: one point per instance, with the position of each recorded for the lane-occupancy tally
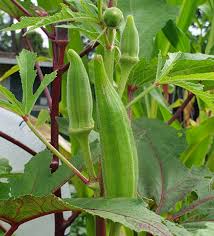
(57, 153)
(126, 68)
(114, 229)
(210, 42)
(85, 148)
(141, 95)
(109, 52)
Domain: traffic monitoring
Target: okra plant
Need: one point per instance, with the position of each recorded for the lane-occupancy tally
(139, 162)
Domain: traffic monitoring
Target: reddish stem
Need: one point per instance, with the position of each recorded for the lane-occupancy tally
(100, 226)
(58, 61)
(100, 222)
(166, 91)
(21, 8)
(17, 143)
(71, 219)
(12, 230)
(40, 74)
(110, 3)
(181, 108)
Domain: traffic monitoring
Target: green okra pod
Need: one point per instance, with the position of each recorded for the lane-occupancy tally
(80, 107)
(119, 163)
(129, 51)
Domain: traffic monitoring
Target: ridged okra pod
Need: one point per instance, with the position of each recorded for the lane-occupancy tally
(80, 107)
(129, 52)
(119, 163)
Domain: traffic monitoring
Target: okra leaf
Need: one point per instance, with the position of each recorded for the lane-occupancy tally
(162, 176)
(130, 212)
(159, 147)
(199, 139)
(188, 71)
(38, 169)
(26, 62)
(201, 210)
(48, 78)
(200, 228)
(15, 68)
(43, 117)
(177, 38)
(10, 72)
(186, 64)
(143, 72)
(11, 102)
(65, 14)
(50, 6)
(191, 77)
(197, 89)
(29, 207)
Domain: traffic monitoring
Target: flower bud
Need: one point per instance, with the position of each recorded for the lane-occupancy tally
(130, 41)
(129, 48)
(113, 17)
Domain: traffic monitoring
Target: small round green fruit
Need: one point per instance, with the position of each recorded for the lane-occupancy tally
(113, 17)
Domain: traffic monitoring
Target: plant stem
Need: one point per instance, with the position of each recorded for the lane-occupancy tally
(84, 145)
(71, 219)
(12, 230)
(109, 54)
(57, 153)
(114, 229)
(125, 71)
(112, 3)
(21, 8)
(180, 109)
(100, 222)
(100, 226)
(58, 45)
(17, 143)
(141, 95)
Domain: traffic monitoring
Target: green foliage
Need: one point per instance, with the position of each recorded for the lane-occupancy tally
(4, 166)
(50, 6)
(170, 187)
(199, 140)
(176, 37)
(158, 180)
(37, 178)
(26, 61)
(150, 17)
